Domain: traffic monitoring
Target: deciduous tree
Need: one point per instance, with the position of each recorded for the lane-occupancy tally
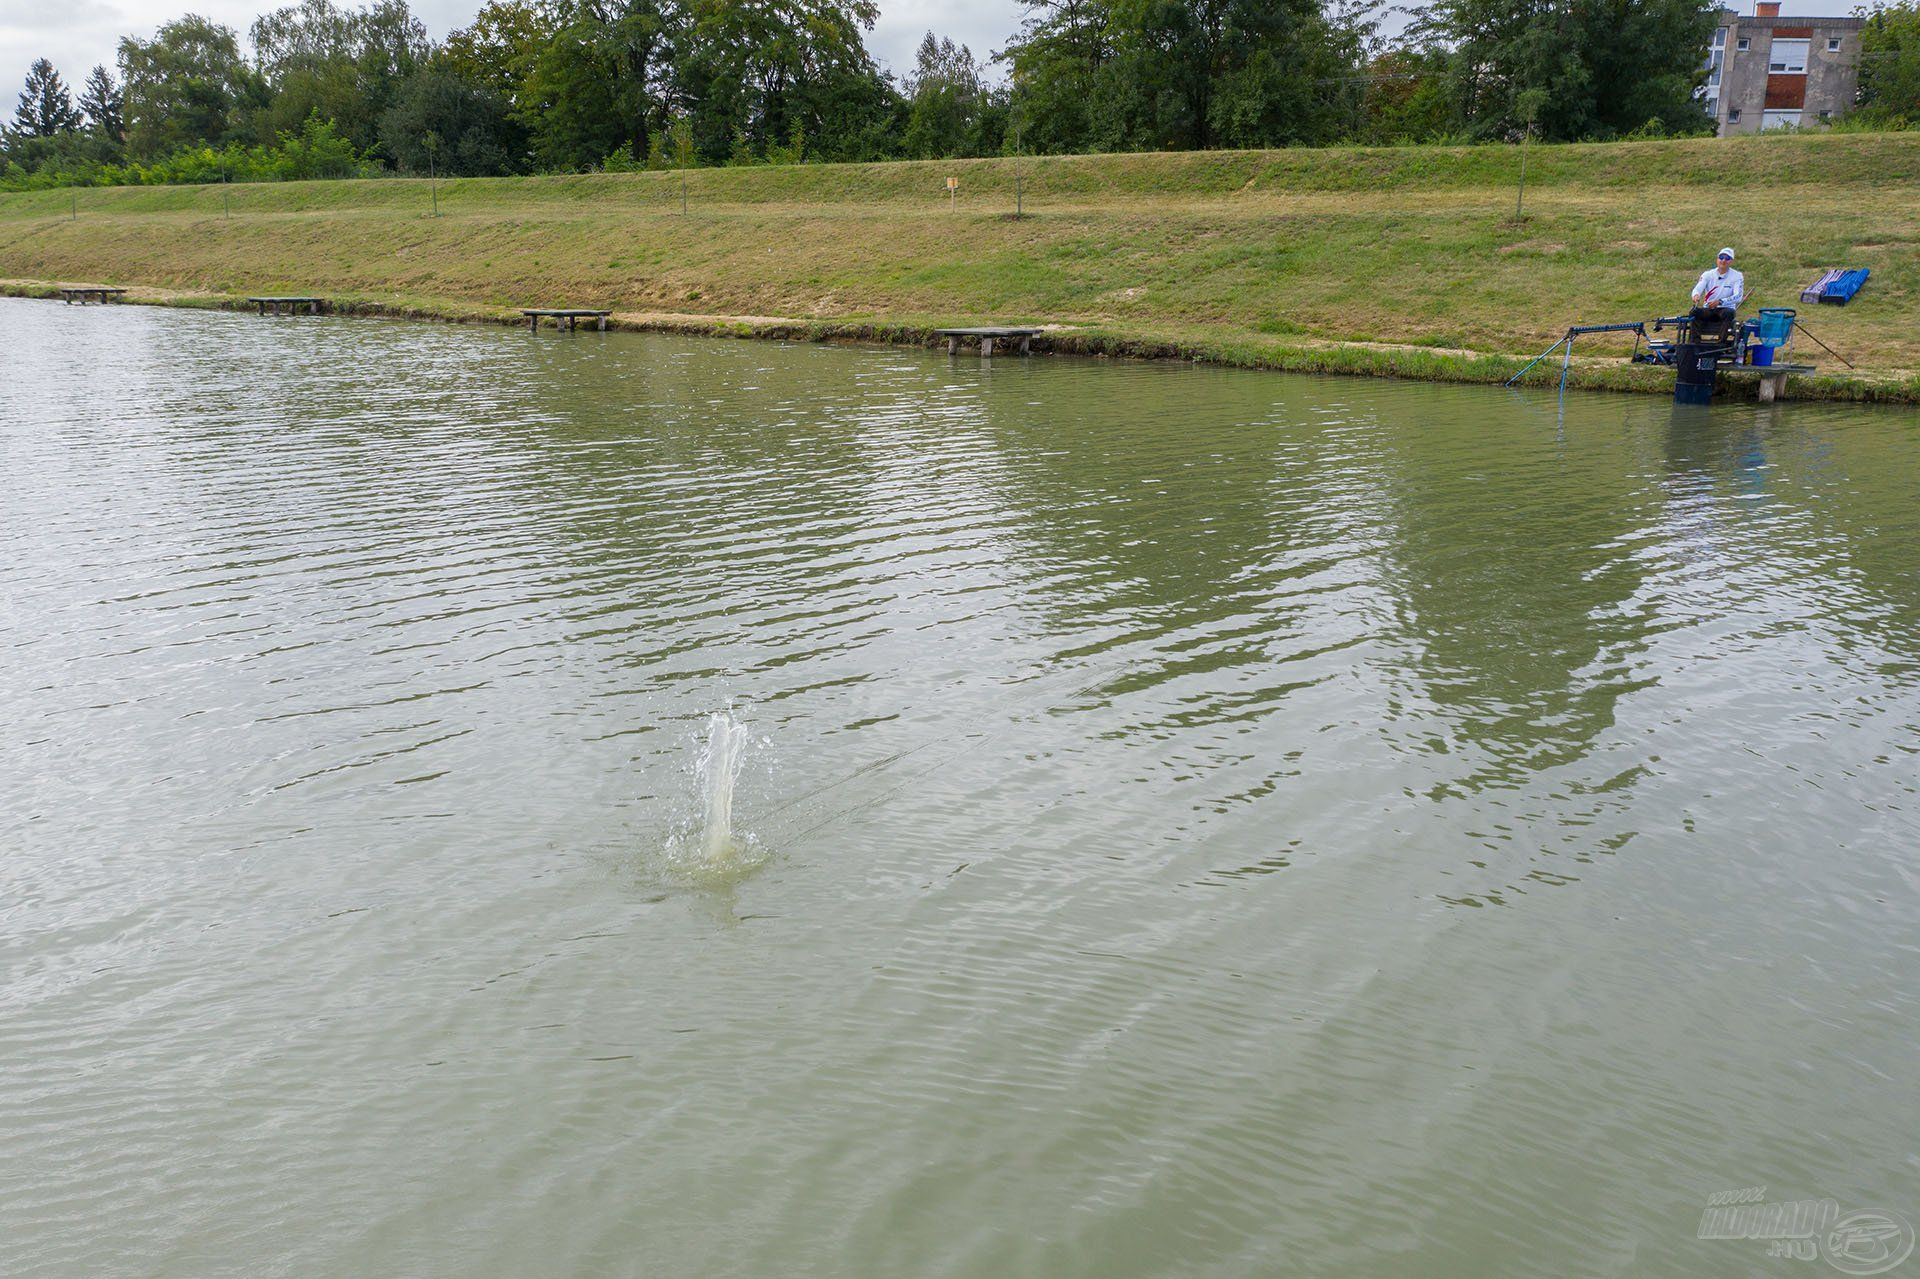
(1186, 74)
(1890, 63)
(1057, 61)
(950, 109)
(1573, 69)
(749, 72)
(345, 65)
(600, 84)
(499, 48)
(472, 127)
(187, 85)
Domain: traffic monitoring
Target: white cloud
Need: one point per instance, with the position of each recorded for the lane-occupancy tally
(75, 35)
(20, 15)
(985, 27)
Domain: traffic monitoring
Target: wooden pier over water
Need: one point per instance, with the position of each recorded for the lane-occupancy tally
(988, 336)
(1773, 377)
(86, 293)
(289, 306)
(566, 318)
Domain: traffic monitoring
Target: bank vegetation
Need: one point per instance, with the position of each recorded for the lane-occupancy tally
(1392, 260)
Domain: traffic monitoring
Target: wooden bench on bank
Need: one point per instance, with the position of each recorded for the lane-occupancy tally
(564, 317)
(1773, 377)
(289, 306)
(85, 293)
(987, 337)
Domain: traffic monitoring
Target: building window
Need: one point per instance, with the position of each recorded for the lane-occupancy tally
(1779, 120)
(1789, 57)
(1713, 106)
(1733, 115)
(1720, 38)
(1825, 116)
(1833, 45)
(1743, 45)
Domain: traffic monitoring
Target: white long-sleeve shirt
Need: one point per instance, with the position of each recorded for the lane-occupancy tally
(1716, 289)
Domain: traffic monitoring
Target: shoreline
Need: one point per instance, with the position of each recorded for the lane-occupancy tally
(1232, 349)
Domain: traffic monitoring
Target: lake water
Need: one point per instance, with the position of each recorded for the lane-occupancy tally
(1189, 822)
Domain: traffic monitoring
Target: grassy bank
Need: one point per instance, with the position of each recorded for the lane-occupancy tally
(1403, 261)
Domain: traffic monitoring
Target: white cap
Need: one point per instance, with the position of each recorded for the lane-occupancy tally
(1725, 253)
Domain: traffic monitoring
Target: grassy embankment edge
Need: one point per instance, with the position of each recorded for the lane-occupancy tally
(1332, 358)
(1197, 230)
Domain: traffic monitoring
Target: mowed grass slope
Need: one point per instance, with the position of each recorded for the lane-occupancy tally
(1404, 260)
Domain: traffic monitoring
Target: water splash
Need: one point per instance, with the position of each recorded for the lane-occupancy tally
(716, 773)
(706, 847)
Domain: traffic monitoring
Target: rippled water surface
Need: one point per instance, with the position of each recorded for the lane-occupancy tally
(1200, 823)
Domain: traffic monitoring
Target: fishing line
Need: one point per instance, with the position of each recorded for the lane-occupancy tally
(978, 739)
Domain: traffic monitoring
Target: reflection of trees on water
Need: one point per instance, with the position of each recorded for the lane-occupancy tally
(1162, 512)
(1832, 490)
(1205, 557)
(1188, 553)
(1513, 559)
(652, 504)
(1545, 582)
(1516, 560)
(1140, 496)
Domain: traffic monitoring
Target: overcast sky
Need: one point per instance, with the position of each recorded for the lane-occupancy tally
(77, 34)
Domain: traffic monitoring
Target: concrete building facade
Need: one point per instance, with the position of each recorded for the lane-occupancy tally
(1769, 71)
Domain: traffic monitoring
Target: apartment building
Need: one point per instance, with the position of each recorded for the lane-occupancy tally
(1767, 71)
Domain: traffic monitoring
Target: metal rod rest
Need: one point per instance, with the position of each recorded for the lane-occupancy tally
(1822, 345)
(1536, 359)
(1637, 327)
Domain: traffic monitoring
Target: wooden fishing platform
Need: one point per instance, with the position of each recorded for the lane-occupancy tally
(987, 337)
(1773, 377)
(85, 293)
(564, 317)
(289, 306)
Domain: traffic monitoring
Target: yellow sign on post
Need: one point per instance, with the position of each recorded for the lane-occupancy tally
(953, 185)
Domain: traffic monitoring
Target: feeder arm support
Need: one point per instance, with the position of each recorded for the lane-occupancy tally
(1638, 328)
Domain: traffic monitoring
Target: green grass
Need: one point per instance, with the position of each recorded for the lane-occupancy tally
(1380, 260)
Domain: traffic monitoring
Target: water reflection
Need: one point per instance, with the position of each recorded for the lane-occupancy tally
(1166, 769)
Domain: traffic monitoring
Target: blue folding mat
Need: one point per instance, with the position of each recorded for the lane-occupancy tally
(1841, 291)
(1836, 286)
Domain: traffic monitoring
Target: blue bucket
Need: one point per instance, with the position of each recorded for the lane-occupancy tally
(1760, 355)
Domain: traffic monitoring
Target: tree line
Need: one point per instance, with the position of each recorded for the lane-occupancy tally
(573, 85)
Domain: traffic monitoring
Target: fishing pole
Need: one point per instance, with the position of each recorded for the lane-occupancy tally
(975, 732)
